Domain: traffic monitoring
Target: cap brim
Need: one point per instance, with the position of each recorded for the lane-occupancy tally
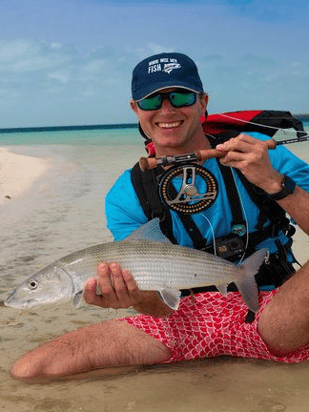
(147, 91)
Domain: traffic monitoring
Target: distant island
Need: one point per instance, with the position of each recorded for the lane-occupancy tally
(67, 128)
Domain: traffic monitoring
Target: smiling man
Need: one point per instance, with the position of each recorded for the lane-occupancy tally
(169, 100)
(169, 103)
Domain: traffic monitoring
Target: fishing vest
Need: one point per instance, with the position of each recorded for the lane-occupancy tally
(218, 129)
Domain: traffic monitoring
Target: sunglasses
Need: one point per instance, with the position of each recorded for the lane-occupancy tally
(177, 99)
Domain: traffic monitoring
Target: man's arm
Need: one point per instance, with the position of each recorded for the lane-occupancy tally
(119, 290)
(250, 156)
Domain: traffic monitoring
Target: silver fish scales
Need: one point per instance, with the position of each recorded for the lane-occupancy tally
(155, 263)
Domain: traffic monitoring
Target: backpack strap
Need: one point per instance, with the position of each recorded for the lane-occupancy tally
(154, 207)
(233, 198)
(150, 200)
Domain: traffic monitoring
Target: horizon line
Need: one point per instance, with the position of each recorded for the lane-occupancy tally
(300, 116)
(64, 128)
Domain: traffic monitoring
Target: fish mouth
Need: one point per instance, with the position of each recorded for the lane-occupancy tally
(9, 302)
(9, 297)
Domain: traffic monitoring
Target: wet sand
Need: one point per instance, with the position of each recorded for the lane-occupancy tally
(210, 385)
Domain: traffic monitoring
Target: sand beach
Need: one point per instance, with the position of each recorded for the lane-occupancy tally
(18, 173)
(52, 203)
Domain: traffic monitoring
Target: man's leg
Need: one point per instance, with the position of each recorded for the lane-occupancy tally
(106, 345)
(284, 323)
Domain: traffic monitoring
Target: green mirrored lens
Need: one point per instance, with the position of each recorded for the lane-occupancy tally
(177, 99)
(151, 103)
(182, 99)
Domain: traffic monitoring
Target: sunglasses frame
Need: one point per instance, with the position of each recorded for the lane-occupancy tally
(167, 96)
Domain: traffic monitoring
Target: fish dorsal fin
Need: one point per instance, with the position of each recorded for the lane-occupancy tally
(149, 231)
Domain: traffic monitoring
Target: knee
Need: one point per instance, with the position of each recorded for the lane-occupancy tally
(25, 368)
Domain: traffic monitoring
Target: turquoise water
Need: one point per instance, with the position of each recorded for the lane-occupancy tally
(73, 137)
(112, 136)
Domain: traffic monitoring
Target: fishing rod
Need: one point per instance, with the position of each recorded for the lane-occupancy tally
(293, 140)
(147, 163)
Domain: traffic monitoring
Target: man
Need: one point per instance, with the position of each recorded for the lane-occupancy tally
(168, 99)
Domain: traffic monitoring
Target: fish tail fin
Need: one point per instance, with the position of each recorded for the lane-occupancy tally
(246, 283)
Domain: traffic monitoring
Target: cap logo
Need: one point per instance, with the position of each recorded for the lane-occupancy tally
(166, 65)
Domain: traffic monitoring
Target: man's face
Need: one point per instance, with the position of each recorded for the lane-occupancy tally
(172, 129)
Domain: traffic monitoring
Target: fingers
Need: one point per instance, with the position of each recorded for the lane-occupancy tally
(243, 150)
(90, 295)
(118, 288)
(242, 143)
(250, 156)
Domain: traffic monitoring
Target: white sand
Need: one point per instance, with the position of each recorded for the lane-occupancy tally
(18, 173)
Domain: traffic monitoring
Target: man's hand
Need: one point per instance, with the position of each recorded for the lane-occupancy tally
(120, 291)
(250, 156)
(118, 288)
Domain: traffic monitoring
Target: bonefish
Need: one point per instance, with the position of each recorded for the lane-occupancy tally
(155, 263)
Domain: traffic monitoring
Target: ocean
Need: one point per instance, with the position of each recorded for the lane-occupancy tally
(64, 212)
(74, 136)
(81, 135)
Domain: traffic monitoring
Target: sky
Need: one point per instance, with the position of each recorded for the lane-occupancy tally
(70, 62)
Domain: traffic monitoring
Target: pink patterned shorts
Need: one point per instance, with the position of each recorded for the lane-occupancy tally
(212, 325)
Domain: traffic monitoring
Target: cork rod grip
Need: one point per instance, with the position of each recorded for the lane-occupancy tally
(147, 163)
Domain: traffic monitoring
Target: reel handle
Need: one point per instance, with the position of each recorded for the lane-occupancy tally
(147, 163)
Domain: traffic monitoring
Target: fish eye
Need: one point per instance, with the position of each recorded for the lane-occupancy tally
(33, 285)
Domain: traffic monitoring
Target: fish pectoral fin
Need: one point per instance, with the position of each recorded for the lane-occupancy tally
(77, 299)
(222, 288)
(170, 297)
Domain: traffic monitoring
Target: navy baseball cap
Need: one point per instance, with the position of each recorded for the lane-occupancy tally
(162, 71)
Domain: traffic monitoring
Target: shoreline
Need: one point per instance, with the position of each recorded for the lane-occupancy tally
(18, 174)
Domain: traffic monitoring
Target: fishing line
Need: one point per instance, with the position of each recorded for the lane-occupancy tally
(213, 234)
(303, 138)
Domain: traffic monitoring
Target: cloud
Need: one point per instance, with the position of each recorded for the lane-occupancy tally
(70, 62)
(65, 83)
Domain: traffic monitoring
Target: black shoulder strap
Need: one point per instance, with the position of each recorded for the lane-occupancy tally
(154, 207)
(232, 194)
(149, 200)
(269, 209)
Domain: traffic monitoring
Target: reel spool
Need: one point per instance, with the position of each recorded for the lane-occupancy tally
(198, 188)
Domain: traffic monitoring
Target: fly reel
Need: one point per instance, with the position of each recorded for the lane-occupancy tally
(188, 188)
